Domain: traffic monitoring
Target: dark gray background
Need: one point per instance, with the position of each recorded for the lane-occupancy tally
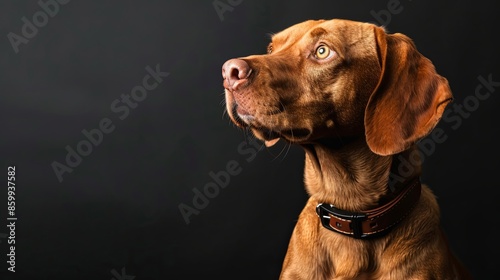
(116, 215)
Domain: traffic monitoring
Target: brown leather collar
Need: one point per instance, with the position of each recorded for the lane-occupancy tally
(372, 222)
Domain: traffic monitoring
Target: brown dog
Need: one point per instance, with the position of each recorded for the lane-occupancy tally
(357, 100)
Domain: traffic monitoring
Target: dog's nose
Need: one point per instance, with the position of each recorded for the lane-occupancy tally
(235, 72)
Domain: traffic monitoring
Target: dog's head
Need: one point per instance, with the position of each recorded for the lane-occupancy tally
(337, 78)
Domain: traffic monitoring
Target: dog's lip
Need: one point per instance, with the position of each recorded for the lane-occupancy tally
(243, 118)
(240, 115)
(297, 134)
(241, 111)
(247, 120)
(293, 135)
(270, 135)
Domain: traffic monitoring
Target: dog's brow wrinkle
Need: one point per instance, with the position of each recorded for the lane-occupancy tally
(318, 32)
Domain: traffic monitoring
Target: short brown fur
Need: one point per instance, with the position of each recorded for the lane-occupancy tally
(357, 113)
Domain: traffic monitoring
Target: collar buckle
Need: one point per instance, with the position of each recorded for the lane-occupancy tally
(352, 219)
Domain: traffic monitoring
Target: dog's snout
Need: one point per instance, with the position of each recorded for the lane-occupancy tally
(235, 72)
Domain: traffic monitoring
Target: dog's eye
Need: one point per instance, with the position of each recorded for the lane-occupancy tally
(323, 52)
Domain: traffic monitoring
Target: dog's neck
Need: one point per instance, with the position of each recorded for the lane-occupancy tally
(351, 177)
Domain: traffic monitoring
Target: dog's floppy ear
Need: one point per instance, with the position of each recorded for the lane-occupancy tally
(409, 99)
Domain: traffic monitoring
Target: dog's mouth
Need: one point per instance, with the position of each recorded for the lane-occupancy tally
(240, 116)
(270, 135)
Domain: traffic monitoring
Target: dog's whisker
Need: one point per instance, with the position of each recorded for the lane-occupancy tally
(288, 146)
